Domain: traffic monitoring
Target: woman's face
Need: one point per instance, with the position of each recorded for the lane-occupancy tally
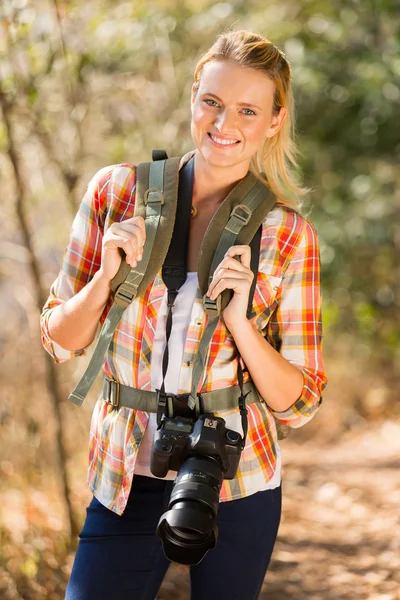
(232, 114)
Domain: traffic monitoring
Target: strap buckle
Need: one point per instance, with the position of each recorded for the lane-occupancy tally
(125, 294)
(153, 195)
(181, 405)
(242, 403)
(113, 393)
(242, 212)
(196, 404)
(172, 405)
(212, 307)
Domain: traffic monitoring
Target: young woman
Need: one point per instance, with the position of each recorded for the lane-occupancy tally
(241, 120)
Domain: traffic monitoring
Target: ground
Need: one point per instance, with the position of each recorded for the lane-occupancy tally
(340, 535)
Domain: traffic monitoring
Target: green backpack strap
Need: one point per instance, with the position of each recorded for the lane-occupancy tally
(243, 212)
(246, 217)
(156, 198)
(163, 234)
(245, 235)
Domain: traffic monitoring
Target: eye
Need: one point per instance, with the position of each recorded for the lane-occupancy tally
(248, 112)
(211, 102)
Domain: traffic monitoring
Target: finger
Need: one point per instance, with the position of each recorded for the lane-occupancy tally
(128, 245)
(231, 267)
(133, 252)
(234, 274)
(232, 263)
(138, 222)
(239, 286)
(244, 252)
(131, 228)
(135, 233)
(229, 275)
(134, 225)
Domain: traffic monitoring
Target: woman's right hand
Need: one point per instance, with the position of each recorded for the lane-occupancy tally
(129, 236)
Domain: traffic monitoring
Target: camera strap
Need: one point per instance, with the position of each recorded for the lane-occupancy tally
(174, 271)
(174, 274)
(242, 403)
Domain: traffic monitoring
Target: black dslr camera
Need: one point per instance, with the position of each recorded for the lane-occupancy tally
(177, 438)
(204, 452)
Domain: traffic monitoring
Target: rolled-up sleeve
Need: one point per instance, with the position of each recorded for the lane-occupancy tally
(82, 258)
(295, 328)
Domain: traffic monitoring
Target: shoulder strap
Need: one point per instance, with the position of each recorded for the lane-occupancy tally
(169, 168)
(243, 211)
(235, 222)
(158, 206)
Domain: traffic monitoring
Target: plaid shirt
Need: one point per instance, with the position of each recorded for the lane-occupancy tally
(287, 311)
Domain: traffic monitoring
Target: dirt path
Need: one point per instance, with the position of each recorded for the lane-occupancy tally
(340, 533)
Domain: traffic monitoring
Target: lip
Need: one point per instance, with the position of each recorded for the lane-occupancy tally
(229, 139)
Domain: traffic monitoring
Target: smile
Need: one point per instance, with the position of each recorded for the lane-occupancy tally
(223, 142)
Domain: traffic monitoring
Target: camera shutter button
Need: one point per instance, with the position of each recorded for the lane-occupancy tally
(232, 436)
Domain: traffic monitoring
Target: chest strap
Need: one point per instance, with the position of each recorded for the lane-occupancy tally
(217, 400)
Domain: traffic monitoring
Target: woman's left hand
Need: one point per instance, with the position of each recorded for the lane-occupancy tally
(232, 274)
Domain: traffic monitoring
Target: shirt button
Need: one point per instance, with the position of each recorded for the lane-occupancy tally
(197, 322)
(189, 363)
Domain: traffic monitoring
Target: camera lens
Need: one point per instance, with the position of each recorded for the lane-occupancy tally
(185, 533)
(188, 528)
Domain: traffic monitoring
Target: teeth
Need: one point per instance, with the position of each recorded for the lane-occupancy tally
(223, 142)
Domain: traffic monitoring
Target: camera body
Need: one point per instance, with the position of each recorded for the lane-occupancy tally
(178, 438)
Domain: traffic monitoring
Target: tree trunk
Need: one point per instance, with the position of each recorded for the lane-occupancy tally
(52, 382)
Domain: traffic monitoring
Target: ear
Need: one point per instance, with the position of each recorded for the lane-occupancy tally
(194, 91)
(276, 123)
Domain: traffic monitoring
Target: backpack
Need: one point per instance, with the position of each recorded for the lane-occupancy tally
(166, 213)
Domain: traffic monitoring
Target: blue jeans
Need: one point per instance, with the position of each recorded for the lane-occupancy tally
(120, 557)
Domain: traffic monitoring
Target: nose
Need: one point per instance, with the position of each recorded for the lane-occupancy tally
(225, 121)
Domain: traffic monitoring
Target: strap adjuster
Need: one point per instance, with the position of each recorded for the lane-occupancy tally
(212, 307)
(242, 212)
(242, 403)
(125, 294)
(113, 393)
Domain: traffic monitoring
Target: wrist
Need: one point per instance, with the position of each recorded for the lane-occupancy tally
(239, 326)
(100, 277)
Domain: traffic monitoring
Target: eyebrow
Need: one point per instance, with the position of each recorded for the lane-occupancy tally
(239, 103)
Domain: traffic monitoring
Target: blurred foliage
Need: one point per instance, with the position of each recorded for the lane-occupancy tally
(105, 81)
(115, 78)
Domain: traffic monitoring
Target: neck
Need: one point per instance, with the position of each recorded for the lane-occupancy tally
(212, 183)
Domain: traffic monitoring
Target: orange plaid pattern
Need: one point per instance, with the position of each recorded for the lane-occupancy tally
(286, 309)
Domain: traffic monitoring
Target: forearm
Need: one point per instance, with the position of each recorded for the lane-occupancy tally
(73, 324)
(279, 382)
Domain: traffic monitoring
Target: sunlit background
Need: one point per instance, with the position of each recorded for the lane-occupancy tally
(84, 85)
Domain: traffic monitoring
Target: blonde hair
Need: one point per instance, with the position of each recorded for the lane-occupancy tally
(276, 158)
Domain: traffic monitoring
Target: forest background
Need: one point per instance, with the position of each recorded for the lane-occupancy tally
(84, 85)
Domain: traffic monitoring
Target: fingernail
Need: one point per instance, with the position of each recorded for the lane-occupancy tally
(140, 257)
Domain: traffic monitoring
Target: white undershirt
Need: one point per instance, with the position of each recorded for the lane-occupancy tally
(181, 314)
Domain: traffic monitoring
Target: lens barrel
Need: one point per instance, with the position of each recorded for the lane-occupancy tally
(188, 528)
